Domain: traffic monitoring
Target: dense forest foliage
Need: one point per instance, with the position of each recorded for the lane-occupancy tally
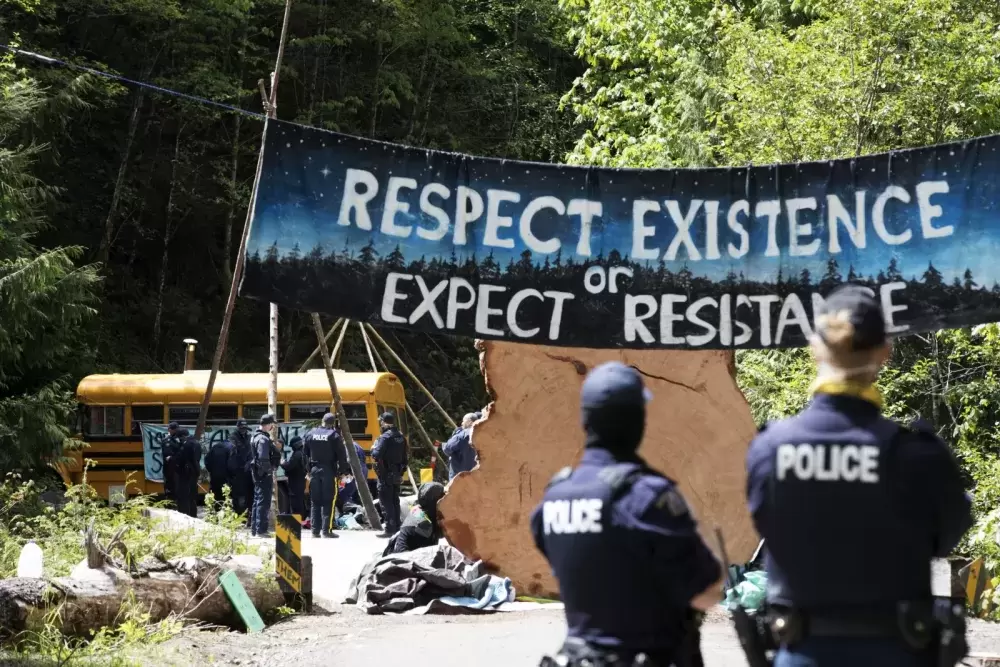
(128, 204)
(149, 191)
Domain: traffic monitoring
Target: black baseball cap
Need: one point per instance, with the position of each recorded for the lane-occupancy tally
(173, 426)
(864, 311)
(267, 419)
(329, 418)
(241, 423)
(613, 384)
(388, 418)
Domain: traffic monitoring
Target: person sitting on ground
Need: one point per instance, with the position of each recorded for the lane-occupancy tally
(420, 527)
(461, 454)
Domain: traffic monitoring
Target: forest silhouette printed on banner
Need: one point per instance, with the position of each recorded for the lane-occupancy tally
(607, 258)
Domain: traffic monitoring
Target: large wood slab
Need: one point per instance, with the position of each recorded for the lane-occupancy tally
(698, 430)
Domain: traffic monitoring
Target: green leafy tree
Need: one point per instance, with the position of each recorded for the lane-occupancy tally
(46, 298)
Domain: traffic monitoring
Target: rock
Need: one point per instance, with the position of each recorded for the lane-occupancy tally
(698, 429)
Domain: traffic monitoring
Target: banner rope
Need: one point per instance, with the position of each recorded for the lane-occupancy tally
(141, 84)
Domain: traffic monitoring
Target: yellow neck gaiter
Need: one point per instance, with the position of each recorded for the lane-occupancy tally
(867, 392)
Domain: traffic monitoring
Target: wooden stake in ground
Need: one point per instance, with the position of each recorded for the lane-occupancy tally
(412, 375)
(227, 317)
(345, 431)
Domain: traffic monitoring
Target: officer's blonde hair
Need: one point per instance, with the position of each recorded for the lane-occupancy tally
(836, 358)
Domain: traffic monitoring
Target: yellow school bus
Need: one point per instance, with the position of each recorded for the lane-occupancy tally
(114, 407)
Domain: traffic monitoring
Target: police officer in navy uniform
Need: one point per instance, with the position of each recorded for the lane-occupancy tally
(621, 541)
(217, 465)
(188, 471)
(853, 507)
(324, 449)
(240, 470)
(266, 459)
(390, 457)
(171, 461)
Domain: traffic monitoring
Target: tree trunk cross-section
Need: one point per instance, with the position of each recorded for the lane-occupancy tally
(698, 428)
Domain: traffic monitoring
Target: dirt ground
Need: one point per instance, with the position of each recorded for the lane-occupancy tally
(347, 637)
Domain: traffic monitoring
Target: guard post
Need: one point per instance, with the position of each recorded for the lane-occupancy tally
(288, 563)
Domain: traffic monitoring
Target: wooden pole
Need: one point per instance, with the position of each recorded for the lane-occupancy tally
(227, 317)
(412, 375)
(368, 346)
(409, 410)
(345, 431)
(272, 356)
(305, 365)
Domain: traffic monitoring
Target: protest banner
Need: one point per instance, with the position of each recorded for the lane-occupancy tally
(618, 258)
(155, 435)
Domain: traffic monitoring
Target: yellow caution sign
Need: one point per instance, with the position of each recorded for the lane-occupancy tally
(288, 554)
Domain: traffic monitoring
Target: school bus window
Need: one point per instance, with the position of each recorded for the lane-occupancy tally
(253, 413)
(314, 412)
(105, 420)
(217, 414)
(357, 418)
(145, 414)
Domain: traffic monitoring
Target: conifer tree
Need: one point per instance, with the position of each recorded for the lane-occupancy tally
(46, 298)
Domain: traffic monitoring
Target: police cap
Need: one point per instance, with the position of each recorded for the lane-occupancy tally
(861, 308)
(613, 384)
(388, 418)
(267, 419)
(329, 418)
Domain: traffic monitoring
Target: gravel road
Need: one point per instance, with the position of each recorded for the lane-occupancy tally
(347, 637)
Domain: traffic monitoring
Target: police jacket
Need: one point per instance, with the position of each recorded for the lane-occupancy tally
(295, 465)
(324, 448)
(190, 457)
(461, 455)
(263, 450)
(217, 460)
(241, 455)
(852, 506)
(625, 550)
(389, 454)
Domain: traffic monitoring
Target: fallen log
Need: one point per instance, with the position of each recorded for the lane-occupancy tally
(92, 598)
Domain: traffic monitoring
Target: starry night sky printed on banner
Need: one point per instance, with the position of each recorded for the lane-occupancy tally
(618, 258)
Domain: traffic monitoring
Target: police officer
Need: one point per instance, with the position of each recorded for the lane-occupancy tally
(240, 470)
(171, 459)
(853, 507)
(295, 470)
(324, 448)
(188, 470)
(390, 458)
(217, 465)
(264, 463)
(621, 541)
(420, 527)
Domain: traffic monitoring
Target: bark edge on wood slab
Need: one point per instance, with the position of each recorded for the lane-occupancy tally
(697, 432)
